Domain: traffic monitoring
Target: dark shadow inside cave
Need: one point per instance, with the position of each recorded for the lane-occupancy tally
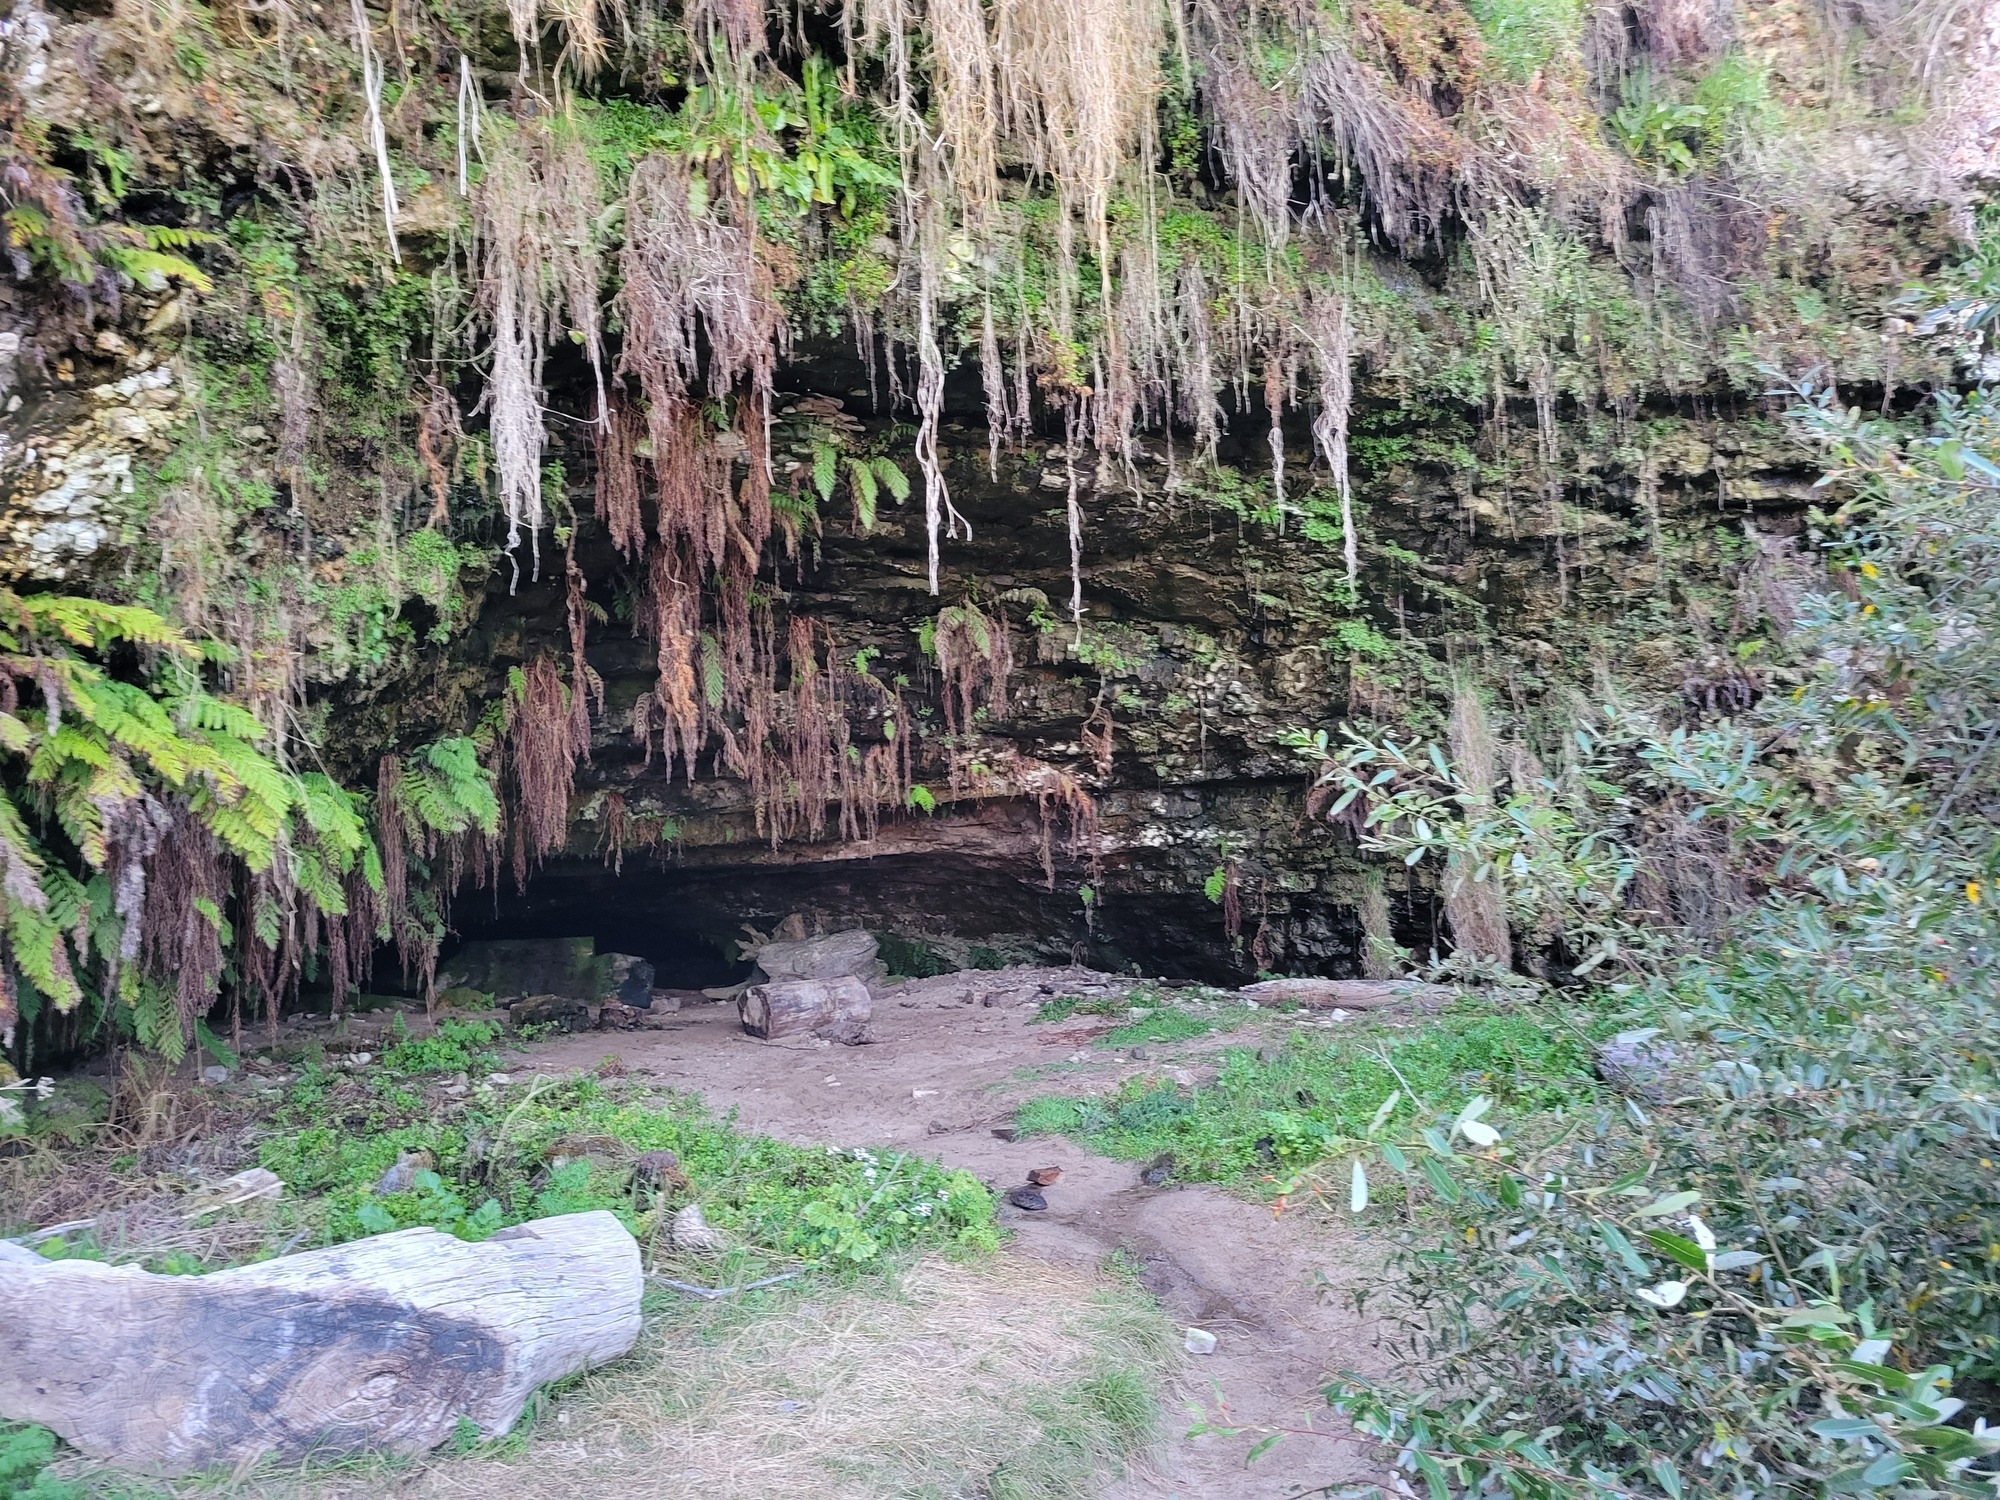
(686, 920)
(943, 908)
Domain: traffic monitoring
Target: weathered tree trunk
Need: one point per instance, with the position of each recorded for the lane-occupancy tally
(786, 1007)
(834, 957)
(1378, 942)
(1475, 908)
(380, 1345)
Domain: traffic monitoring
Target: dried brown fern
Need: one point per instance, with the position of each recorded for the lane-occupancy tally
(974, 651)
(186, 900)
(621, 480)
(543, 747)
(1058, 796)
(672, 712)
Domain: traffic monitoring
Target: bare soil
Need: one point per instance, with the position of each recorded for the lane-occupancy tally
(951, 1058)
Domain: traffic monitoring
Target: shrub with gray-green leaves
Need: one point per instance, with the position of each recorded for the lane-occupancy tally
(1776, 1269)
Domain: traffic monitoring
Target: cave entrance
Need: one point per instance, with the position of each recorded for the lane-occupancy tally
(932, 912)
(932, 909)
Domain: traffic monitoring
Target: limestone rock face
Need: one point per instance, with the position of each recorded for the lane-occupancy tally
(1205, 645)
(66, 476)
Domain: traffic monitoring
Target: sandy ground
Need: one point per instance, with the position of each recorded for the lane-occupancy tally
(951, 1057)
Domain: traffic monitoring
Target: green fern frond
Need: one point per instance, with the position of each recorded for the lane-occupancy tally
(156, 1020)
(94, 623)
(82, 820)
(141, 264)
(251, 838)
(69, 745)
(334, 815)
(862, 478)
(446, 789)
(714, 679)
(826, 461)
(265, 919)
(35, 943)
(170, 237)
(19, 844)
(894, 480)
(202, 711)
(67, 899)
(318, 883)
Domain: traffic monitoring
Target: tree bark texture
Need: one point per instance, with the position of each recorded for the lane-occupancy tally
(787, 1007)
(381, 1345)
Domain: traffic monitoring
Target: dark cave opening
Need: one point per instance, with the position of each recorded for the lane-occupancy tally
(686, 920)
(934, 908)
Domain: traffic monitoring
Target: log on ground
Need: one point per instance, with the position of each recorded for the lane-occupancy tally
(837, 956)
(1350, 994)
(382, 1345)
(788, 1007)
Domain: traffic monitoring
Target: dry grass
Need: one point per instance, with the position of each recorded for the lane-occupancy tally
(1003, 1377)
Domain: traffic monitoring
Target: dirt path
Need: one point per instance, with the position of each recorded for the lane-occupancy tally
(945, 1070)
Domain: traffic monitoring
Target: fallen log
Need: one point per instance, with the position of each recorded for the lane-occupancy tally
(787, 1007)
(1349, 994)
(382, 1345)
(839, 956)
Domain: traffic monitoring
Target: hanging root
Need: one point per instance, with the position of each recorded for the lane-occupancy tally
(536, 208)
(1332, 336)
(371, 88)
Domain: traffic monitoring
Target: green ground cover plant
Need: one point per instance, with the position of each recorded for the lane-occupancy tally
(540, 1148)
(25, 1454)
(1152, 1014)
(431, 1135)
(1274, 1110)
